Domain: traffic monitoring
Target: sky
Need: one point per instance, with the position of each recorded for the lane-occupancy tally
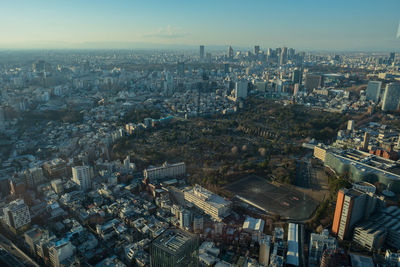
(345, 25)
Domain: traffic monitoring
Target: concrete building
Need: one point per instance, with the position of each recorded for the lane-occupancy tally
(185, 219)
(57, 186)
(392, 259)
(362, 166)
(373, 91)
(391, 97)
(318, 244)
(352, 206)
(312, 82)
(16, 215)
(198, 224)
(350, 125)
(284, 56)
(241, 90)
(59, 251)
(174, 248)
(166, 170)
(265, 249)
(34, 177)
(208, 202)
(201, 51)
(364, 187)
(34, 236)
(81, 176)
(252, 225)
(292, 255)
(369, 236)
(381, 228)
(55, 168)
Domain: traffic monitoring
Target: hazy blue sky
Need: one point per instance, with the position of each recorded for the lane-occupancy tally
(303, 24)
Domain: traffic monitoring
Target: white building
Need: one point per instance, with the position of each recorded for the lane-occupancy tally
(166, 170)
(265, 249)
(208, 202)
(292, 255)
(81, 176)
(59, 251)
(253, 225)
(16, 214)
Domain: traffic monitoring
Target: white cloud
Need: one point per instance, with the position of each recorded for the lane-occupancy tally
(168, 32)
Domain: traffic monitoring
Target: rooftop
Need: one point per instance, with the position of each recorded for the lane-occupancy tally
(173, 240)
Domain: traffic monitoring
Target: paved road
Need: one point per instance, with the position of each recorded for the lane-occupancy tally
(15, 255)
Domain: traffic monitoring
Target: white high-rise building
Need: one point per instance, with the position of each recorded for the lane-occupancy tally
(391, 97)
(81, 176)
(265, 249)
(16, 214)
(373, 90)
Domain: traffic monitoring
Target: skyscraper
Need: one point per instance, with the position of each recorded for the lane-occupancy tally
(391, 97)
(241, 89)
(181, 68)
(297, 76)
(81, 176)
(284, 56)
(373, 90)
(256, 50)
(230, 52)
(201, 51)
(174, 248)
(392, 57)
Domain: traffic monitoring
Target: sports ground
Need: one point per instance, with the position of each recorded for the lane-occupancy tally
(283, 200)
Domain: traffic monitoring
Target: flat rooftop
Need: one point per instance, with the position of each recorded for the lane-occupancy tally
(173, 240)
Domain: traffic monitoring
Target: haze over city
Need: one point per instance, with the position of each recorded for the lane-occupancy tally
(200, 133)
(363, 25)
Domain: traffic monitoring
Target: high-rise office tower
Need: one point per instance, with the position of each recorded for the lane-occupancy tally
(174, 248)
(365, 142)
(313, 81)
(291, 53)
(230, 52)
(241, 89)
(202, 51)
(181, 68)
(392, 57)
(226, 68)
(81, 176)
(352, 205)
(296, 89)
(297, 76)
(265, 249)
(391, 97)
(284, 56)
(256, 50)
(373, 90)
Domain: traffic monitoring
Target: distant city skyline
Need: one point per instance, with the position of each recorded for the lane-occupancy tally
(308, 25)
